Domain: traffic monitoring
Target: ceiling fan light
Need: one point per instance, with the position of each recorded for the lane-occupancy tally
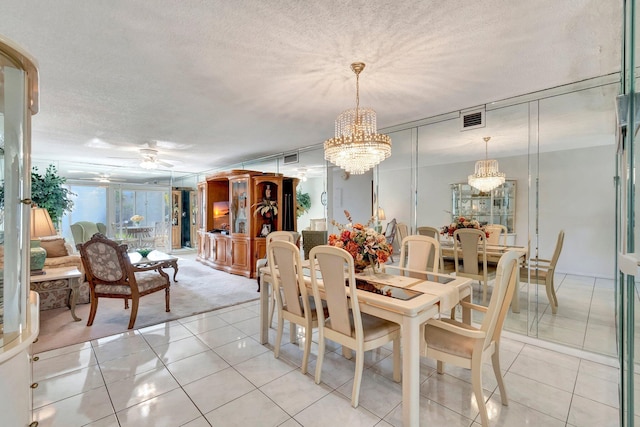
(148, 164)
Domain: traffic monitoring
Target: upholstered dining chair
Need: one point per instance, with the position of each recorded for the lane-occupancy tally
(541, 271)
(418, 254)
(290, 290)
(111, 275)
(390, 234)
(497, 234)
(446, 265)
(472, 260)
(346, 325)
(450, 341)
(429, 231)
(287, 236)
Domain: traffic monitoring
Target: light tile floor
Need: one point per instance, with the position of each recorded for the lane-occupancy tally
(210, 370)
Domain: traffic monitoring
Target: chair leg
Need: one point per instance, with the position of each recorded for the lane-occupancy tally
(92, 312)
(485, 290)
(307, 348)
(357, 379)
(166, 300)
(276, 348)
(440, 367)
(476, 384)
(551, 295)
(126, 303)
(134, 312)
(272, 308)
(320, 358)
(495, 362)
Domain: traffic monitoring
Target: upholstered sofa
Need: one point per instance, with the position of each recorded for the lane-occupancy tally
(61, 254)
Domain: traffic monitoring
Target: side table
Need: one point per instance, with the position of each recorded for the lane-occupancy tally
(59, 278)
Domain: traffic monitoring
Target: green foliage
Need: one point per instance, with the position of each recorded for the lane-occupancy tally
(48, 191)
(303, 201)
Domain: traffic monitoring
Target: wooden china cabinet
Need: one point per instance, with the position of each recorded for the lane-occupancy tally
(231, 228)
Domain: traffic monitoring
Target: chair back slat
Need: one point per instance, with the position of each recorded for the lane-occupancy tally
(420, 253)
(558, 249)
(282, 255)
(470, 240)
(336, 269)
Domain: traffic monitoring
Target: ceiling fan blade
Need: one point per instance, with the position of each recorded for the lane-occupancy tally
(165, 164)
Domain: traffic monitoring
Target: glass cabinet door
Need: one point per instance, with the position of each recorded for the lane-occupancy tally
(497, 206)
(240, 207)
(17, 102)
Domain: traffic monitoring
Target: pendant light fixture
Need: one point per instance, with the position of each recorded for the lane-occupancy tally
(357, 146)
(487, 175)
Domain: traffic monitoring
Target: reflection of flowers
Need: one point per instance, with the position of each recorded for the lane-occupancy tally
(266, 208)
(461, 222)
(366, 246)
(137, 218)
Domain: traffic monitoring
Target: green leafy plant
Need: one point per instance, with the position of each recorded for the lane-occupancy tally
(303, 201)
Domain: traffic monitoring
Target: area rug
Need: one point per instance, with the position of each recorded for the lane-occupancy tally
(199, 289)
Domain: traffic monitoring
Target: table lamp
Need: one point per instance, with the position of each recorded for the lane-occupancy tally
(41, 226)
(381, 217)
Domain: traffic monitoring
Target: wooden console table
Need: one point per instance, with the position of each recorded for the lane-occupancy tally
(59, 278)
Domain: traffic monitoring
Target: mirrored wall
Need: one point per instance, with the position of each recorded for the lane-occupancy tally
(558, 146)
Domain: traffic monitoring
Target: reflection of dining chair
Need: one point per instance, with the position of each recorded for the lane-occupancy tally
(472, 243)
(497, 234)
(542, 272)
(290, 290)
(402, 231)
(390, 234)
(345, 324)
(429, 231)
(111, 275)
(418, 253)
(464, 345)
(446, 265)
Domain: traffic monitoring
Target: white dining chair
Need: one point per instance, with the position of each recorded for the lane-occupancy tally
(541, 272)
(293, 301)
(346, 325)
(472, 244)
(418, 253)
(497, 234)
(451, 341)
(287, 236)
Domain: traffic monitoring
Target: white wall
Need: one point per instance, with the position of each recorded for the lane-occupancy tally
(315, 187)
(353, 194)
(576, 194)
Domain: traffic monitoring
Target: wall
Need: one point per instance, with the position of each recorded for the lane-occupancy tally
(576, 194)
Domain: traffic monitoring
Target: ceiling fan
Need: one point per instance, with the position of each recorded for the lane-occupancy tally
(150, 159)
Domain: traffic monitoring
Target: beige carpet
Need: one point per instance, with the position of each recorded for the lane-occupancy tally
(198, 289)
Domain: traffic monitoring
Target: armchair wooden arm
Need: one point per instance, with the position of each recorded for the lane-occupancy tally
(471, 333)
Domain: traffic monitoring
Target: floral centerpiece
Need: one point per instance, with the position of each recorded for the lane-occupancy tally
(137, 219)
(461, 222)
(366, 246)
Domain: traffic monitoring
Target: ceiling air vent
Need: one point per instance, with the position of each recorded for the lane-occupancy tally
(290, 158)
(472, 119)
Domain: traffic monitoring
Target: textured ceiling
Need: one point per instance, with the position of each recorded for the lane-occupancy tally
(220, 82)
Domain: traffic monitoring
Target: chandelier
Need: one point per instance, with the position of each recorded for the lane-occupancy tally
(357, 146)
(487, 176)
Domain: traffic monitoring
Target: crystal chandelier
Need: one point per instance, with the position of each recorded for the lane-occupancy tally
(357, 146)
(487, 176)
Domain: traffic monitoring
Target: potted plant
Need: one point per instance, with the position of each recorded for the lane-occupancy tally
(48, 191)
(267, 208)
(303, 201)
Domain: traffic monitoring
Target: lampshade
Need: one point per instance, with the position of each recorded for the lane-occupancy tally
(381, 215)
(487, 175)
(357, 145)
(41, 224)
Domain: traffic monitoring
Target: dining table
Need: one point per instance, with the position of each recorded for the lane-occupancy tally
(494, 253)
(399, 298)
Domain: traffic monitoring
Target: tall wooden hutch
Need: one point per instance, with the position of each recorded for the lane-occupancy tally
(231, 231)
